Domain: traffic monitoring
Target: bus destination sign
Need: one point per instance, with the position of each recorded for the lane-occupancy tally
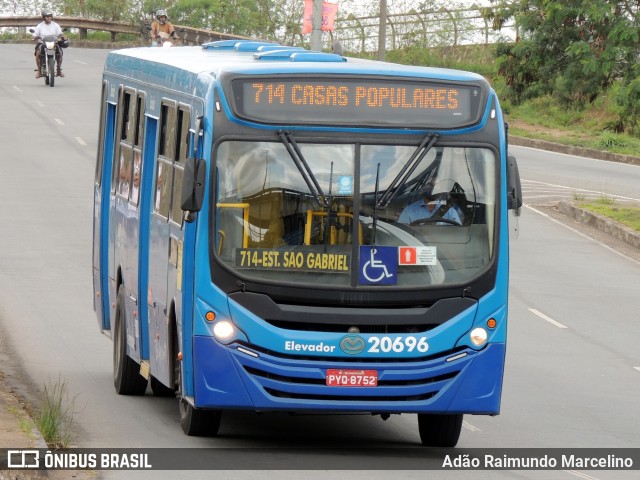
(357, 102)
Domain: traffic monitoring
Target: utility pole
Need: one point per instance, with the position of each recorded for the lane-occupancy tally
(316, 28)
(382, 30)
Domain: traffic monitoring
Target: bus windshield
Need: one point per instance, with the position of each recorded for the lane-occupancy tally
(354, 214)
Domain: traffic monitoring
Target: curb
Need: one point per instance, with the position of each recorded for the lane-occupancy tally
(601, 223)
(573, 150)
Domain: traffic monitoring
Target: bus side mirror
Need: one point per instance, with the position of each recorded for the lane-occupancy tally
(514, 189)
(193, 181)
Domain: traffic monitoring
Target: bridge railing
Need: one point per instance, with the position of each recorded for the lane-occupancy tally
(188, 35)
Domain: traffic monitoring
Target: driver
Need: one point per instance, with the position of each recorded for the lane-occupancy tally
(426, 207)
(44, 28)
(161, 25)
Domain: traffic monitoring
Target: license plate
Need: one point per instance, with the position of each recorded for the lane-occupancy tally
(352, 378)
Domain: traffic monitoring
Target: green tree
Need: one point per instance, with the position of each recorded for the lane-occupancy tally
(114, 10)
(251, 18)
(571, 49)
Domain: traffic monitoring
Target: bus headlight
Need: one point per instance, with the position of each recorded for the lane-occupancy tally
(224, 331)
(478, 336)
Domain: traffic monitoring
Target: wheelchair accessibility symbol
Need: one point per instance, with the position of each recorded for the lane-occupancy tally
(378, 265)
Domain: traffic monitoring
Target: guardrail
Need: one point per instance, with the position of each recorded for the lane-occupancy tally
(188, 35)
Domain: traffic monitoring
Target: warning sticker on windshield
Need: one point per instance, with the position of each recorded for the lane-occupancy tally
(417, 255)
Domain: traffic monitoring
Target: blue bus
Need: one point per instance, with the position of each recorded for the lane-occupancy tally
(277, 229)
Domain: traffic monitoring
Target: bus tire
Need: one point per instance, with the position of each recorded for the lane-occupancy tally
(126, 372)
(439, 430)
(197, 422)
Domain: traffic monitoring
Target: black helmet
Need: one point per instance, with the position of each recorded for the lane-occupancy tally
(64, 43)
(47, 12)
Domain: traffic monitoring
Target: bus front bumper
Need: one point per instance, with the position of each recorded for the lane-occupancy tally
(239, 377)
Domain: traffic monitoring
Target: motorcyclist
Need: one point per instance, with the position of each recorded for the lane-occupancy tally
(44, 28)
(161, 25)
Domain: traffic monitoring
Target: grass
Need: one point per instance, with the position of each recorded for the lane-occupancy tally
(55, 418)
(26, 424)
(628, 215)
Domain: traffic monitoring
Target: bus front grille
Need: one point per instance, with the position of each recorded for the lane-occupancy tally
(406, 381)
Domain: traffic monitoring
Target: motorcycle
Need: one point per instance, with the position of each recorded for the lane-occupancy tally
(164, 39)
(48, 56)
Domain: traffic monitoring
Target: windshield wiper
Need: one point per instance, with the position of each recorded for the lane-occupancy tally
(428, 177)
(303, 167)
(408, 169)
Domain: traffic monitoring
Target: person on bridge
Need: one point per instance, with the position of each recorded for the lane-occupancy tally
(44, 28)
(160, 26)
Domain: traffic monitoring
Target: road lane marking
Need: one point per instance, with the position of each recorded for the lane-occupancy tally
(58, 121)
(548, 319)
(565, 154)
(533, 197)
(637, 368)
(81, 142)
(16, 88)
(468, 426)
(39, 103)
(573, 190)
(81, 63)
(581, 475)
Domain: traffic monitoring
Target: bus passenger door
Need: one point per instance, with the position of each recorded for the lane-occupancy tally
(165, 245)
(158, 254)
(133, 228)
(125, 220)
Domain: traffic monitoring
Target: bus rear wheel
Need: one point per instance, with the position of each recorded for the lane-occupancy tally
(439, 430)
(126, 372)
(197, 422)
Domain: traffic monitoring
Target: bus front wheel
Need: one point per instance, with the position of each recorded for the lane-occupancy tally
(197, 422)
(126, 372)
(439, 430)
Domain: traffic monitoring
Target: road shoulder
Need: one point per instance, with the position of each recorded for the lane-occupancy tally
(594, 230)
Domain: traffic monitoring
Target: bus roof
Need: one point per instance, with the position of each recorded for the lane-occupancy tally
(194, 61)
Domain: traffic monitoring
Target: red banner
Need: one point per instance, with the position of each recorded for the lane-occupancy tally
(329, 12)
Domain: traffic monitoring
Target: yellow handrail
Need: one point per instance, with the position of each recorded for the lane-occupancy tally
(245, 218)
(332, 233)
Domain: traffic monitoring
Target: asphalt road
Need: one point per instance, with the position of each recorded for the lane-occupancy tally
(573, 367)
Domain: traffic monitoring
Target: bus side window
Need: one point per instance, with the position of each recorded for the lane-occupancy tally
(166, 151)
(163, 188)
(138, 130)
(182, 149)
(135, 183)
(101, 136)
(126, 114)
(124, 176)
(125, 157)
